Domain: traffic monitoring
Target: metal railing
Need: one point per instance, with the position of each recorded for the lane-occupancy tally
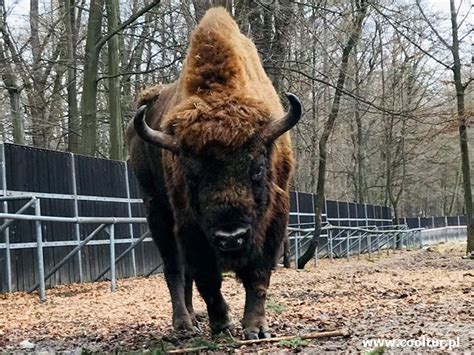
(337, 241)
(443, 234)
(104, 223)
(342, 241)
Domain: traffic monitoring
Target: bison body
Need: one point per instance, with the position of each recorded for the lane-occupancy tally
(213, 158)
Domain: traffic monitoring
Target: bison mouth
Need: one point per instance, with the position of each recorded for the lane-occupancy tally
(231, 238)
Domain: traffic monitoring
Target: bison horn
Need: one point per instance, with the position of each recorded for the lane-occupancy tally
(278, 127)
(152, 136)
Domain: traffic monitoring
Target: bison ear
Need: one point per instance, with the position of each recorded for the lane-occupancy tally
(276, 128)
(152, 136)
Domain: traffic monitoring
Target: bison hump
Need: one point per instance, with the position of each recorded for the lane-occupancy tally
(217, 56)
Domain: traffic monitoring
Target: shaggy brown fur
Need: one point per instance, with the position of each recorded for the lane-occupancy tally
(222, 101)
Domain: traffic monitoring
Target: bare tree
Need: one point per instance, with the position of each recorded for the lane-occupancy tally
(460, 87)
(360, 14)
(73, 124)
(11, 81)
(115, 109)
(94, 43)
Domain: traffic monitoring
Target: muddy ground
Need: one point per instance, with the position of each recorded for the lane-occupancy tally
(404, 295)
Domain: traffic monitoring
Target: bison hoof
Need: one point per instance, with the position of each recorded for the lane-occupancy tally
(222, 328)
(264, 335)
(185, 325)
(253, 335)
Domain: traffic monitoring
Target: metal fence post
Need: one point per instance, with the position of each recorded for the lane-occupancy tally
(113, 285)
(366, 215)
(369, 243)
(459, 224)
(359, 246)
(314, 221)
(39, 248)
(129, 210)
(330, 242)
(6, 232)
(446, 225)
(348, 238)
(77, 230)
(297, 234)
(325, 211)
(296, 250)
(316, 255)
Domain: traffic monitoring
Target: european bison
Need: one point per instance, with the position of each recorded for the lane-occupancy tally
(213, 157)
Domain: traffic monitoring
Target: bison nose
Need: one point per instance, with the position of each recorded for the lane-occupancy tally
(231, 239)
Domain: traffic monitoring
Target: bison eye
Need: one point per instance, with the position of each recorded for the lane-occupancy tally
(257, 176)
(191, 171)
(257, 170)
(257, 173)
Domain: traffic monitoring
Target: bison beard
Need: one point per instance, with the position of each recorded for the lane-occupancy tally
(213, 158)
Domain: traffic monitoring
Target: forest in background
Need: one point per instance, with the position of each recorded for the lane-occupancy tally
(71, 70)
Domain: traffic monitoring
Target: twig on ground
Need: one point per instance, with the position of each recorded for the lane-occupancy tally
(239, 343)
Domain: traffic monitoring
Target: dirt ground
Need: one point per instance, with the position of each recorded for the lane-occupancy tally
(404, 295)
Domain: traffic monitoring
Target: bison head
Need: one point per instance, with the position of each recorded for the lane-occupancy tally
(228, 189)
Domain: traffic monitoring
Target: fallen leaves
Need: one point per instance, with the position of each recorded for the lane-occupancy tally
(405, 294)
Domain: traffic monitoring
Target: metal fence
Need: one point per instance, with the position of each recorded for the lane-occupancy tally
(69, 192)
(340, 242)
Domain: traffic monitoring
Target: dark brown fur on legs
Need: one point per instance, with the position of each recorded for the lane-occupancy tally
(213, 158)
(174, 268)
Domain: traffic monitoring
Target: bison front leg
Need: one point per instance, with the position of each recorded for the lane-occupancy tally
(256, 278)
(254, 321)
(160, 221)
(209, 286)
(207, 276)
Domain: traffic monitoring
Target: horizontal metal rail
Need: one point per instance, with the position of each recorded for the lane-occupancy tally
(70, 243)
(27, 205)
(132, 246)
(68, 256)
(18, 195)
(346, 240)
(80, 220)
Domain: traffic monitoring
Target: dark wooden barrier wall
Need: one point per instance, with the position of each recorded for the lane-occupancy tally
(44, 171)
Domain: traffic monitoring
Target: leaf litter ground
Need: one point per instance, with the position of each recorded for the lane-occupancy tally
(403, 295)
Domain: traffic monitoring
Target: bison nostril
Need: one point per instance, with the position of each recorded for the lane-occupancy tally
(241, 231)
(231, 238)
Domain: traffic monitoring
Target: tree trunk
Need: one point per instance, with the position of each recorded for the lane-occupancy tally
(115, 109)
(36, 90)
(73, 123)
(14, 92)
(360, 143)
(91, 65)
(455, 194)
(17, 117)
(328, 128)
(283, 18)
(11, 83)
(200, 8)
(463, 139)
